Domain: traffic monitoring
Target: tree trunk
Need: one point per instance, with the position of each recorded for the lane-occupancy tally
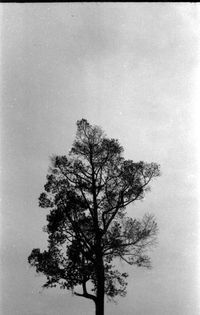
(100, 277)
(100, 289)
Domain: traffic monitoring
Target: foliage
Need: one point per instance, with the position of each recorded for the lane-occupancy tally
(87, 193)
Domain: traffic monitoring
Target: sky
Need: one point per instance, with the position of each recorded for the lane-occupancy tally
(133, 69)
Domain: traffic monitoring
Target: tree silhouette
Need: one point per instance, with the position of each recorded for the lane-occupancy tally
(88, 228)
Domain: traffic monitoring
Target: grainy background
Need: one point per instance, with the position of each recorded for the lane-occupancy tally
(133, 69)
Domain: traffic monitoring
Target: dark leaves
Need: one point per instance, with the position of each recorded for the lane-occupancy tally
(87, 193)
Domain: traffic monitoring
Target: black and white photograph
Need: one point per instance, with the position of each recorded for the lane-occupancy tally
(100, 158)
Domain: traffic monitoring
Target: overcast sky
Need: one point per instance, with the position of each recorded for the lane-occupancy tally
(133, 69)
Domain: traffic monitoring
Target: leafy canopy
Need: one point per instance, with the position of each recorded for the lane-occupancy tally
(87, 193)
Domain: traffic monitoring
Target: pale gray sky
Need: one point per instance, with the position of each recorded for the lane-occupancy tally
(131, 68)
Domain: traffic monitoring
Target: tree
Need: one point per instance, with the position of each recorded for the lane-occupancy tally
(88, 228)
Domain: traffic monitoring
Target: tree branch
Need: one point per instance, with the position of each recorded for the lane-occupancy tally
(85, 294)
